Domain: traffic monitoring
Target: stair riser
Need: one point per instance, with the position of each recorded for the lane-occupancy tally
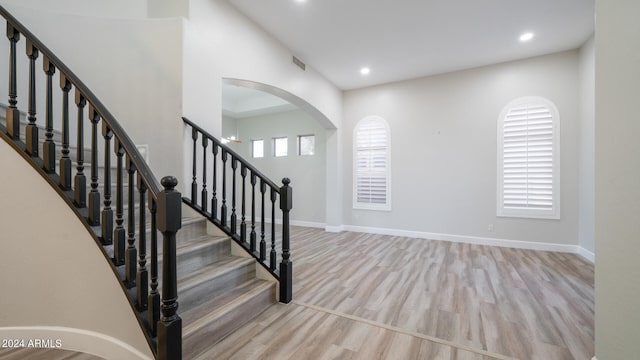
(192, 261)
(210, 289)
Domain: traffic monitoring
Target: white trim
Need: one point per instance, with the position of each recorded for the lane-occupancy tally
(80, 340)
(310, 224)
(594, 358)
(334, 229)
(516, 244)
(588, 255)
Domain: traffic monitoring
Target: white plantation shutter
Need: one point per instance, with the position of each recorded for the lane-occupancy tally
(528, 159)
(371, 165)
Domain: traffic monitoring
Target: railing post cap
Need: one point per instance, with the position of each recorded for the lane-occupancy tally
(169, 182)
(286, 181)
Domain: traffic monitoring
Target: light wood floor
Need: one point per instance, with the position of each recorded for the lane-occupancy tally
(365, 296)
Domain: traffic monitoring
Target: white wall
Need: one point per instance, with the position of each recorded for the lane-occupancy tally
(617, 75)
(307, 173)
(443, 149)
(56, 283)
(586, 153)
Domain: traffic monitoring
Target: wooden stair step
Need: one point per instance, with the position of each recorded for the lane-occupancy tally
(214, 280)
(204, 327)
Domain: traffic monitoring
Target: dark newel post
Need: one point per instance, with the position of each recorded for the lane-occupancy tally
(214, 199)
(286, 273)
(119, 233)
(194, 183)
(272, 254)
(263, 244)
(223, 209)
(13, 115)
(80, 182)
(49, 147)
(234, 217)
(107, 212)
(154, 296)
(65, 161)
(32, 129)
(205, 195)
(142, 279)
(252, 236)
(169, 222)
(131, 254)
(243, 224)
(94, 194)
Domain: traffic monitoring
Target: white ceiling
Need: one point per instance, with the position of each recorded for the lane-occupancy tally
(403, 39)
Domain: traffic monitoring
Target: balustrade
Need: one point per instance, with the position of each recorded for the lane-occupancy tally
(165, 330)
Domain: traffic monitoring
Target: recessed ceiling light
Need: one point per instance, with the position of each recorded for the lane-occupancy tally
(301, 1)
(526, 37)
(365, 71)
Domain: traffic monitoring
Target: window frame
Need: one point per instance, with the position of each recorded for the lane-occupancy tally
(387, 171)
(554, 211)
(253, 146)
(275, 151)
(299, 144)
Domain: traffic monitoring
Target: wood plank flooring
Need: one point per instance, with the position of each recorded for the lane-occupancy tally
(44, 354)
(366, 296)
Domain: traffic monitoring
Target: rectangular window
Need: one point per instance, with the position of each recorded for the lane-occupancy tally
(257, 148)
(371, 182)
(306, 144)
(280, 146)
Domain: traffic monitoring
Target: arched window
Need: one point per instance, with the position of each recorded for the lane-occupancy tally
(371, 168)
(529, 159)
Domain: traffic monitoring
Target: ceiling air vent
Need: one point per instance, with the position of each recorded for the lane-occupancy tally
(299, 62)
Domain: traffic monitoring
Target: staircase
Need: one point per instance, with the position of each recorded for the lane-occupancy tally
(193, 272)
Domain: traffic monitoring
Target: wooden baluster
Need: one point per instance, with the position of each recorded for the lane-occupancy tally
(263, 244)
(13, 114)
(65, 161)
(252, 235)
(142, 279)
(169, 222)
(223, 208)
(94, 194)
(214, 198)
(243, 224)
(154, 296)
(49, 147)
(80, 182)
(272, 255)
(234, 218)
(32, 129)
(286, 267)
(205, 195)
(119, 232)
(194, 183)
(131, 254)
(107, 212)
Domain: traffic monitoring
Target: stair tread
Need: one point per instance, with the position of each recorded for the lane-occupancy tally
(198, 317)
(199, 242)
(222, 266)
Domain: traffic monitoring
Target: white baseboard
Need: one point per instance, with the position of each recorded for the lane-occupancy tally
(589, 256)
(310, 224)
(518, 244)
(334, 229)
